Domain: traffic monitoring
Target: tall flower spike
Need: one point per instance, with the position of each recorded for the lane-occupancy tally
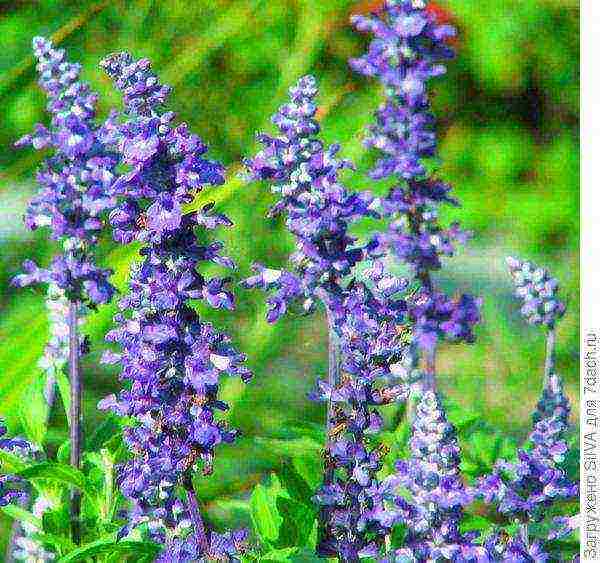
(365, 348)
(538, 291)
(74, 183)
(318, 208)
(433, 510)
(172, 360)
(404, 55)
(373, 374)
(525, 489)
(73, 180)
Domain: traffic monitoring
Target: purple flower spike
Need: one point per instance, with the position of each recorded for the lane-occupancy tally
(367, 366)
(318, 208)
(172, 360)
(433, 510)
(524, 489)
(74, 180)
(375, 373)
(538, 291)
(405, 54)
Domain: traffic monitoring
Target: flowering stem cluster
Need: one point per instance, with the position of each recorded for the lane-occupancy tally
(362, 321)
(172, 359)
(404, 55)
(142, 169)
(72, 197)
(524, 490)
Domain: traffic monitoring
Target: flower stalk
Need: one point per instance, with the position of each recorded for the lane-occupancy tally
(333, 380)
(196, 517)
(75, 431)
(550, 362)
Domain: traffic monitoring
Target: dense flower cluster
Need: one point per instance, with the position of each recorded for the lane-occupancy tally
(363, 321)
(172, 359)
(74, 180)
(433, 510)
(318, 208)
(374, 373)
(222, 547)
(538, 291)
(11, 486)
(524, 489)
(406, 53)
(502, 547)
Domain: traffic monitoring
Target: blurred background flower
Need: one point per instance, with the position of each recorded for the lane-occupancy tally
(508, 116)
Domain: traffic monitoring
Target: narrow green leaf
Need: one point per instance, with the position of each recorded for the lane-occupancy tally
(22, 515)
(264, 514)
(110, 546)
(64, 388)
(57, 472)
(33, 409)
(63, 454)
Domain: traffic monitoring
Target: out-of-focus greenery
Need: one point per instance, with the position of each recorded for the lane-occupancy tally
(508, 115)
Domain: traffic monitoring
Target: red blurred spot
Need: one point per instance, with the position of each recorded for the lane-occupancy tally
(441, 14)
(367, 7)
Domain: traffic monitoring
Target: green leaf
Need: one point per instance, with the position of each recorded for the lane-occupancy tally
(291, 448)
(56, 472)
(64, 388)
(104, 433)
(111, 547)
(472, 522)
(17, 513)
(294, 484)
(10, 463)
(101, 477)
(56, 522)
(63, 454)
(285, 554)
(33, 409)
(264, 513)
(298, 522)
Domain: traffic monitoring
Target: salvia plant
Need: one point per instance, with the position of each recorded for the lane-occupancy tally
(407, 52)
(427, 489)
(172, 359)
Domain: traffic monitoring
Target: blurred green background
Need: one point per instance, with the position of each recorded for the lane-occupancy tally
(508, 126)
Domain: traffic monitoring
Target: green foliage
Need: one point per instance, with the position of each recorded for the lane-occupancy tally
(143, 551)
(283, 514)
